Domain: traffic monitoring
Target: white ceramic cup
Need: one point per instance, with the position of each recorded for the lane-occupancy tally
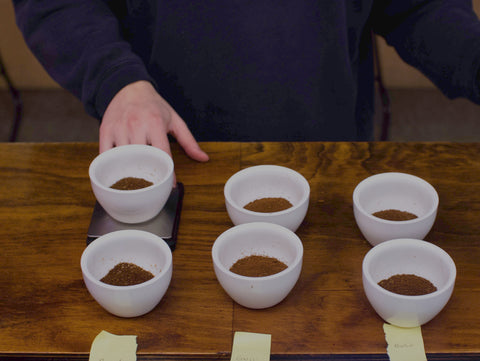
(398, 191)
(257, 238)
(133, 160)
(408, 256)
(267, 181)
(141, 248)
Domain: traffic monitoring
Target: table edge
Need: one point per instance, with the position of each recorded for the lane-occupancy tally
(465, 356)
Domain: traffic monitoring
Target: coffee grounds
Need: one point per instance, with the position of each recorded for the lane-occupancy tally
(126, 274)
(268, 205)
(257, 266)
(131, 183)
(408, 284)
(394, 215)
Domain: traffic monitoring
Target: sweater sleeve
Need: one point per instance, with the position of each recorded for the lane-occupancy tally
(441, 38)
(80, 45)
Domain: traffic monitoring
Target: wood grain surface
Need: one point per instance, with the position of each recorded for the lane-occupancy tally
(45, 207)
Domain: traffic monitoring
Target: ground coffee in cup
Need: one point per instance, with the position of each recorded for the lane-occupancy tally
(257, 266)
(131, 183)
(126, 274)
(408, 284)
(268, 205)
(394, 215)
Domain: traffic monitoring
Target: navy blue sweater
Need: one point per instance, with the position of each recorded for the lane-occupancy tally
(252, 70)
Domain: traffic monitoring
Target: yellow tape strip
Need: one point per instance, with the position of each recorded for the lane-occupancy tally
(404, 343)
(109, 347)
(249, 346)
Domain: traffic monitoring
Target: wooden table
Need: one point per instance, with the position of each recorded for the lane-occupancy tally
(45, 208)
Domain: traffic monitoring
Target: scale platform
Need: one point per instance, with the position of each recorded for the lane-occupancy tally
(164, 225)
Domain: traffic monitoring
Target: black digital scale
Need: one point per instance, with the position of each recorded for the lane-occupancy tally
(164, 225)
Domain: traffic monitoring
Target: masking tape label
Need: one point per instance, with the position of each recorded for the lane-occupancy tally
(249, 346)
(109, 347)
(404, 343)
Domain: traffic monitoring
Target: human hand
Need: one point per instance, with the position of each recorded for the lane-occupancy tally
(137, 114)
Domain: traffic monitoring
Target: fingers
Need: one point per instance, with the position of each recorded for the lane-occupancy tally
(186, 140)
(111, 136)
(106, 139)
(138, 114)
(105, 143)
(160, 140)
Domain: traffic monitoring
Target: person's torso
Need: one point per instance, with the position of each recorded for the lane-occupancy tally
(255, 70)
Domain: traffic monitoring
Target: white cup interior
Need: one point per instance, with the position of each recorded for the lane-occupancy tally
(266, 181)
(144, 252)
(397, 191)
(412, 257)
(238, 243)
(130, 162)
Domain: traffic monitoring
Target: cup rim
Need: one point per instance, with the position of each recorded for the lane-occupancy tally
(111, 237)
(399, 242)
(259, 225)
(122, 148)
(428, 214)
(303, 181)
